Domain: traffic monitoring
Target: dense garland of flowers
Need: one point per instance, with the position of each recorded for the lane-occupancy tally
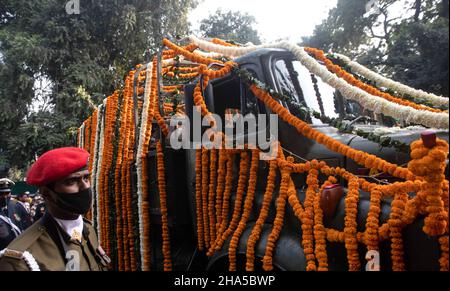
(372, 102)
(396, 86)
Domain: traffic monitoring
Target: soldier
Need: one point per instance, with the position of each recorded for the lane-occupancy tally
(8, 230)
(62, 239)
(21, 214)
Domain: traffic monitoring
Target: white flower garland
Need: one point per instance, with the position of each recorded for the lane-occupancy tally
(99, 163)
(374, 103)
(139, 156)
(95, 158)
(81, 143)
(391, 84)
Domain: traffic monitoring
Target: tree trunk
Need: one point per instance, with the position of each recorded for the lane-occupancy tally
(417, 7)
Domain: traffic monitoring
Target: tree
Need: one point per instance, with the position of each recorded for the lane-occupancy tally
(412, 47)
(232, 26)
(82, 58)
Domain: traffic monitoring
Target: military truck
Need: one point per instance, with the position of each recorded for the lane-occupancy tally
(280, 70)
(153, 197)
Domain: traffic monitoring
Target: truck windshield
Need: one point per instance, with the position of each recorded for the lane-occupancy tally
(293, 79)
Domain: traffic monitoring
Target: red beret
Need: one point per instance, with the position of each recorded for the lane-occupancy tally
(57, 164)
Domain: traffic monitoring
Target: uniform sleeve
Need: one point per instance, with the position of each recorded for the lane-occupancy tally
(10, 264)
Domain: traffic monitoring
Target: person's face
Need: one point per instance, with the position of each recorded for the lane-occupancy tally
(72, 184)
(24, 198)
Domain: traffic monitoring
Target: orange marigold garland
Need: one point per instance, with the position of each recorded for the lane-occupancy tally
(211, 198)
(220, 187)
(163, 202)
(264, 212)
(205, 177)
(320, 235)
(372, 222)
(225, 203)
(198, 198)
(350, 224)
(429, 164)
(248, 204)
(243, 169)
(308, 217)
(279, 220)
(395, 230)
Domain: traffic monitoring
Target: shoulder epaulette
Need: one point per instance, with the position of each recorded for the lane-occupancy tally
(26, 256)
(11, 254)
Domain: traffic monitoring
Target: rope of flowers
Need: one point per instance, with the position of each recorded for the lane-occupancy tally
(373, 220)
(429, 166)
(221, 173)
(113, 194)
(191, 56)
(111, 107)
(263, 214)
(133, 206)
(122, 200)
(212, 192)
(320, 235)
(93, 139)
(101, 173)
(320, 55)
(350, 224)
(87, 132)
(371, 102)
(120, 160)
(248, 205)
(225, 202)
(395, 230)
(308, 216)
(279, 218)
(198, 199)
(421, 101)
(98, 161)
(141, 170)
(388, 83)
(79, 136)
(205, 177)
(163, 205)
(242, 181)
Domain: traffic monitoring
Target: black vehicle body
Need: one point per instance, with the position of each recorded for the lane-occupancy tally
(230, 92)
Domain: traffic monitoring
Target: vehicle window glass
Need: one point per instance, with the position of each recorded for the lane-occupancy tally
(295, 80)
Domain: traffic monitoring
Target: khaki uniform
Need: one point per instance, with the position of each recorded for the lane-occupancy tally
(47, 247)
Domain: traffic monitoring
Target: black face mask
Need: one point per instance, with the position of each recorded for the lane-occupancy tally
(78, 203)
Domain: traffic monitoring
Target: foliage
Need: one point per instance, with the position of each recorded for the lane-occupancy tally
(232, 26)
(411, 47)
(82, 57)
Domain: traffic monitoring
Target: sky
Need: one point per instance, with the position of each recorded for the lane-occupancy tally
(276, 19)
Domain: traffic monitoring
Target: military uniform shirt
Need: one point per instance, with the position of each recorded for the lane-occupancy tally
(53, 249)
